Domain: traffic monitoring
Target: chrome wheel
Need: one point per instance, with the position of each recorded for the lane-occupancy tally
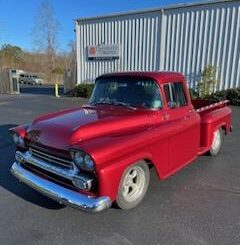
(216, 143)
(216, 140)
(133, 185)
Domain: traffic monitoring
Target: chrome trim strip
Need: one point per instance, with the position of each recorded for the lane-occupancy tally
(51, 158)
(59, 193)
(63, 172)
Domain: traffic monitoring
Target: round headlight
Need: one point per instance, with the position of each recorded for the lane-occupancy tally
(18, 140)
(82, 160)
(78, 158)
(21, 142)
(89, 164)
(15, 139)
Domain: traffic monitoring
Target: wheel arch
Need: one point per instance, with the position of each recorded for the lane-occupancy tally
(151, 164)
(110, 176)
(224, 128)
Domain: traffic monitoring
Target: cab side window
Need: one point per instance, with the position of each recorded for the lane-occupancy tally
(175, 94)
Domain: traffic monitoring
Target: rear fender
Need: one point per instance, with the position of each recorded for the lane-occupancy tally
(212, 121)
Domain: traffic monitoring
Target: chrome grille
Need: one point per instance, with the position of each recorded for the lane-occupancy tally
(51, 158)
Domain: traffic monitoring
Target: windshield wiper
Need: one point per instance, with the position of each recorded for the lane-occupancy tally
(124, 104)
(115, 103)
(101, 103)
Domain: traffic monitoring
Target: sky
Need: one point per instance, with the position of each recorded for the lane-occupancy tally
(17, 16)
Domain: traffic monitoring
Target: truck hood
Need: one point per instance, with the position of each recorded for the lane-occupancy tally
(63, 129)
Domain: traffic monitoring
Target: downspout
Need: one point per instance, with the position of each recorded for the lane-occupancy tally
(162, 41)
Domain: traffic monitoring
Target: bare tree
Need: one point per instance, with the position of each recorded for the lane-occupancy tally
(45, 36)
(71, 55)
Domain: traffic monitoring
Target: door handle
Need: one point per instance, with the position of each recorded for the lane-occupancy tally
(166, 116)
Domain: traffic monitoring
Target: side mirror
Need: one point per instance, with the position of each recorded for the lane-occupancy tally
(172, 104)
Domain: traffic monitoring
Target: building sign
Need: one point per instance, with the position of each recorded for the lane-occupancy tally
(103, 52)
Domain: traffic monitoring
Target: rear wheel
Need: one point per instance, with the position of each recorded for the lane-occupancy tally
(217, 142)
(133, 185)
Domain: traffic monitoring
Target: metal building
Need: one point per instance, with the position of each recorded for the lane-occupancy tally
(182, 38)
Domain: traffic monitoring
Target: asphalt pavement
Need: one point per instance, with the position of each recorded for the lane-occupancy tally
(198, 205)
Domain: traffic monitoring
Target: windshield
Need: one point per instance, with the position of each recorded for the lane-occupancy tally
(135, 92)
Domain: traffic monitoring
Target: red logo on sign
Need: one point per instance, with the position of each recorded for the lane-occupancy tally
(92, 51)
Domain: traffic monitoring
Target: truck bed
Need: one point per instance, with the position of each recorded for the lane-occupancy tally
(203, 105)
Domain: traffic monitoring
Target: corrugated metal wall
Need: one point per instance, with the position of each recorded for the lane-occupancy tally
(208, 34)
(138, 36)
(175, 39)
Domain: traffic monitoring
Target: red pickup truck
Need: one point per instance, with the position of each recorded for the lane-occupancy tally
(98, 154)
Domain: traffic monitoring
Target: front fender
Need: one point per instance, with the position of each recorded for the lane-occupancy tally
(112, 155)
(109, 177)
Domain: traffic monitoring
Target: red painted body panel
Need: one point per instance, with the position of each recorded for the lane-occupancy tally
(117, 137)
(212, 120)
(70, 127)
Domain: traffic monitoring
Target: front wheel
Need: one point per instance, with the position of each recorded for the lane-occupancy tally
(133, 185)
(217, 142)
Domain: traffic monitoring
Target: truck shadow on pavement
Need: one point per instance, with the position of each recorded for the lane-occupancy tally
(9, 182)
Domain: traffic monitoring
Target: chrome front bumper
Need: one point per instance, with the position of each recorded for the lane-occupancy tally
(58, 193)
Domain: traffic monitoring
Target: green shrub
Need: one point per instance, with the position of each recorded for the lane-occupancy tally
(208, 81)
(219, 95)
(193, 93)
(83, 90)
(207, 84)
(233, 95)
